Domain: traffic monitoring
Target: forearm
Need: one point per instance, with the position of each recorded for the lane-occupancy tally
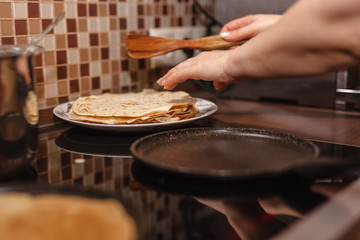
(313, 37)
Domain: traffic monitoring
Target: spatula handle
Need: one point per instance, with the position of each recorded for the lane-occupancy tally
(210, 43)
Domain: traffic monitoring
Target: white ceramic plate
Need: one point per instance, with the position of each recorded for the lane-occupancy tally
(205, 107)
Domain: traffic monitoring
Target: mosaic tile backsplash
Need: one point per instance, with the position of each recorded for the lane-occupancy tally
(86, 53)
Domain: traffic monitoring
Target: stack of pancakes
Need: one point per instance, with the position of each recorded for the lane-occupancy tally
(148, 106)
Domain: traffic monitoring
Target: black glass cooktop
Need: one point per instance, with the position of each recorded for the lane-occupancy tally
(296, 192)
(100, 143)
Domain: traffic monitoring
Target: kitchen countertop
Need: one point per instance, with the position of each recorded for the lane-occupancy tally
(320, 124)
(173, 215)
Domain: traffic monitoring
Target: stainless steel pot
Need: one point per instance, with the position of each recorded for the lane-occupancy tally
(19, 115)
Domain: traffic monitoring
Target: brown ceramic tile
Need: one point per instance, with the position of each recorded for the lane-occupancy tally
(108, 174)
(39, 75)
(21, 40)
(61, 57)
(157, 9)
(95, 83)
(6, 27)
(73, 71)
(104, 53)
(193, 21)
(82, 24)
(71, 25)
(61, 72)
(66, 173)
(105, 67)
(141, 23)
(164, 9)
(84, 55)
(112, 9)
(133, 64)
(125, 65)
(65, 159)
(148, 9)
(123, 37)
(92, 10)
(34, 26)
(99, 165)
(140, 9)
(94, 39)
(82, 9)
(180, 22)
(45, 23)
(123, 51)
(133, 76)
(5, 10)
(21, 27)
(43, 178)
(63, 99)
(79, 181)
(49, 58)
(54, 176)
(84, 69)
(113, 24)
(142, 64)
(58, 8)
(38, 60)
(173, 22)
(33, 10)
(103, 12)
(74, 86)
(40, 91)
(51, 102)
(115, 80)
(172, 10)
(85, 84)
(123, 24)
(157, 22)
(62, 88)
(98, 178)
(104, 39)
(115, 66)
(88, 166)
(72, 41)
(94, 54)
(60, 41)
(41, 165)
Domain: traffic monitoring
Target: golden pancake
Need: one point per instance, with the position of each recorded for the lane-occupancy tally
(59, 217)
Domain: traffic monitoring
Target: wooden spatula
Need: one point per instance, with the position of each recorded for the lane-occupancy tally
(143, 46)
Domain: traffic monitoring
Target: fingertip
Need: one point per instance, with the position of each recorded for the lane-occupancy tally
(225, 34)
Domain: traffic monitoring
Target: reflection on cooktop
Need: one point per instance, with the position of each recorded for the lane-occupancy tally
(99, 143)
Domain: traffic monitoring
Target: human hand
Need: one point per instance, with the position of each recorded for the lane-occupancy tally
(248, 26)
(208, 66)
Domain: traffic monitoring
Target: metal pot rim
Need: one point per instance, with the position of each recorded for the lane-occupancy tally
(17, 50)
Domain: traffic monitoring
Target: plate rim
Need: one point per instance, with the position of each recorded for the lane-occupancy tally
(136, 127)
